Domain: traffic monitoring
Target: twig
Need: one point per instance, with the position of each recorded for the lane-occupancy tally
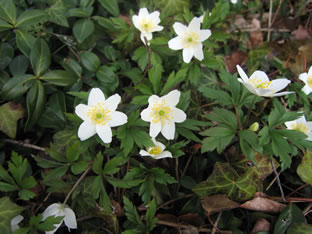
(307, 210)
(25, 145)
(276, 12)
(44, 200)
(272, 182)
(174, 200)
(215, 228)
(149, 63)
(278, 181)
(296, 190)
(270, 20)
(216, 224)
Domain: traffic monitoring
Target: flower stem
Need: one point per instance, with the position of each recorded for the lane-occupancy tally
(77, 182)
(249, 110)
(149, 63)
(238, 118)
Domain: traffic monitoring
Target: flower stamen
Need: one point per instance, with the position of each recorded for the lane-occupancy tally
(98, 114)
(155, 150)
(309, 81)
(160, 112)
(301, 127)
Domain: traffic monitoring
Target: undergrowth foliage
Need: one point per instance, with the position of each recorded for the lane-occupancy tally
(155, 116)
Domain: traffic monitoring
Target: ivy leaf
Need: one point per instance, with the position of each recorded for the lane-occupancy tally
(10, 113)
(224, 179)
(304, 168)
(8, 210)
(299, 228)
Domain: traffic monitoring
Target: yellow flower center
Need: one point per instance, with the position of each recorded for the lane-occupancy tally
(98, 114)
(190, 39)
(300, 127)
(155, 150)
(258, 83)
(147, 25)
(160, 112)
(309, 81)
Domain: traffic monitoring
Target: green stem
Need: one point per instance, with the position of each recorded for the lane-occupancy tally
(249, 110)
(238, 118)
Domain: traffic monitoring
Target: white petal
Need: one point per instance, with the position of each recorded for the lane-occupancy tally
(204, 34)
(188, 54)
(144, 153)
(194, 25)
(279, 84)
(143, 13)
(168, 130)
(112, 102)
(281, 94)
(55, 229)
(154, 16)
(198, 52)
(155, 129)
(172, 98)
(81, 110)
(251, 88)
(234, 1)
(290, 123)
(242, 74)
(17, 219)
(301, 119)
(310, 71)
(178, 115)
(145, 115)
(135, 20)
(96, 95)
(260, 75)
(158, 28)
(147, 35)
(176, 43)
(86, 130)
(179, 28)
(165, 154)
(52, 210)
(118, 118)
(154, 98)
(161, 145)
(303, 77)
(306, 89)
(70, 218)
(104, 132)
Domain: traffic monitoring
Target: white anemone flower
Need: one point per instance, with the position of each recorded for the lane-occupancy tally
(157, 151)
(15, 221)
(307, 79)
(99, 116)
(234, 1)
(259, 83)
(147, 23)
(163, 114)
(301, 125)
(189, 39)
(56, 210)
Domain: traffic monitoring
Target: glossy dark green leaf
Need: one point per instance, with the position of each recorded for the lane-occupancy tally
(35, 100)
(8, 11)
(112, 166)
(299, 228)
(90, 61)
(80, 12)
(173, 80)
(16, 86)
(59, 77)
(82, 29)
(5, 25)
(111, 6)
(40, 57)
(154, 75)
(107, 78)
(24, 41)
(30, 17)
(6, 54)
(19, 65)
(57, 14)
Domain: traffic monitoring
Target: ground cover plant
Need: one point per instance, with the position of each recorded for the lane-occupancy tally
(169, 116)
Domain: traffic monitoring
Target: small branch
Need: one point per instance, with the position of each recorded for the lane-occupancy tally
(270, 20)
(149, 63)
(216, 224)
(44, 200)
(307, 210)
(277, 10)
(249, 110)
(238, 118)
(278, 181)
(26, 145)
(215, 228)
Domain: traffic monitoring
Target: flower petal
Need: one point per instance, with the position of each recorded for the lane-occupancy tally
(306, 89)
(290, 123)
(303, 77)
(161, 145)
(279, 84)
(147, 35)
(179, 28)
(52, 210)
(144, 153)
(104, 132)
(310, 71)
(145, 115)
(70, 218)
(112, 102)
(135, 20)
(155, 129)
(165, 154)
(172, 98)
(86, 130)
(176, 43)
(158, 28)
(204, 34)
(168, 130)
(242, 74)
(260, 75)
(281, 94)
(118, 118)
(143, 13)
(198, 52)
(81, 110)
(188, 54)
(96, 95)
(154, 16)
(194, 25)
(178, 115)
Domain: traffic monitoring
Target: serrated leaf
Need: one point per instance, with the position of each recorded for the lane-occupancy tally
(10, 113)
(8, 210)
(131, 212)
(173, 80)
(219, 96)
(154, 75)
(111, 166)
(40, 57)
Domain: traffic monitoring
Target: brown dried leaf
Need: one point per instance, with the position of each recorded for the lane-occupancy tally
(192, 218)
(263, 205)
(301, 33)
(262, 225)
(256, 39)
(237, 57)
(217, 203)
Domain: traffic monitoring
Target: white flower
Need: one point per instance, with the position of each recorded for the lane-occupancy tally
(189, 39)
(301, 125)
(259, 83)
(147, 23)
(99, 116)
(157, 151)
(307, 79)
(56, 210)
(15, 221)
(162, 114)
(234, 1)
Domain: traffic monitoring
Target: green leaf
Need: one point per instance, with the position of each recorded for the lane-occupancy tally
(249, 143)
(291, 214)
(141, 57)
(58, 14)
(16, 86)
(19, 65)
(111, 6)
(172, 7)
(124, 183)
(79, 167)
(281, 148)
(173, 80)
(141, 138)
(40, 57)
(299, 228)
(82, 29)
(35, 100)
(8, 11)
(223, 116)
(108, 79)
(30, 17)
(80, 12)
(131, 212)
(59, 77)
(150, 215)
(73, 152)
(90, 61)
(224, 179)
(98, 163)
(26, 194)
(24, 41)
(6, 54)
(218, 96)
(154, 75)
(8, 210)
(48, 224)
(10, 113)
(4, 25)
(111, 166)
(215, 142)
(304, 168)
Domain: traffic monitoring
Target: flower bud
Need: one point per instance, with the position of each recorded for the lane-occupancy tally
(254, 127)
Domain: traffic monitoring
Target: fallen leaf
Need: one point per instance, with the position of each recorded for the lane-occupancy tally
(237, 57)
(256, 39)
(263, 205)
(262, 225)
(192, 218)
(218, 203)
(301, 33)
(10, 113)
(304, 168)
